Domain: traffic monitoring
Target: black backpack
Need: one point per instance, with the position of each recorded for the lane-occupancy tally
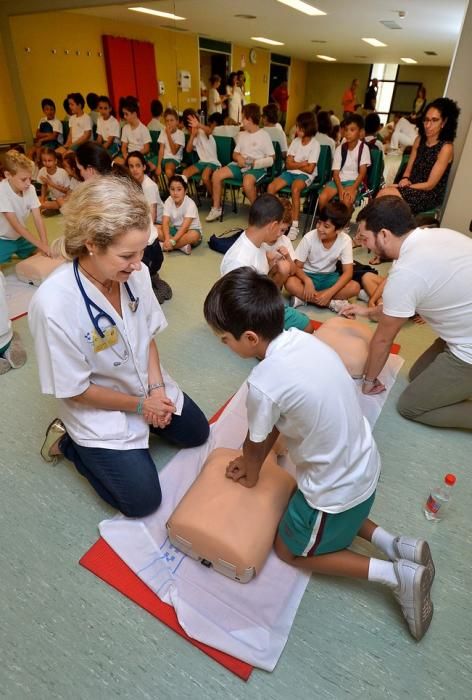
(222, 242)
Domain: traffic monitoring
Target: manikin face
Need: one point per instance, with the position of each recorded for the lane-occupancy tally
(49, 161)
(122, 257)
(19, 181)
(104, 109)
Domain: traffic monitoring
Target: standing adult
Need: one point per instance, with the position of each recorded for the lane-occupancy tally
(93, 324)
(280, 96)
(349, 100)
(370, 99)
(431, 277)
(419, 104)
(235, 98)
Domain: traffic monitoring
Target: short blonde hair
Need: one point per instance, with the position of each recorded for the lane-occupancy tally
(14, 161)
(101, 210)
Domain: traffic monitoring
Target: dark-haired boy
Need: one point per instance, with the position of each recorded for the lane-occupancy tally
(351, 160)
(254, 153)
(302, 391)
(49, 132)
(255, 248)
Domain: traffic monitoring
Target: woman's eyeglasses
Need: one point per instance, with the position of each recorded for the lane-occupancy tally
(433, 120)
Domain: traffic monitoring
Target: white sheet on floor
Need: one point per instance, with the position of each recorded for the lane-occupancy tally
(250, 621)
(18, 295)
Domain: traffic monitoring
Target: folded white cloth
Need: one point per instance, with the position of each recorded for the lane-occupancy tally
(250, 621)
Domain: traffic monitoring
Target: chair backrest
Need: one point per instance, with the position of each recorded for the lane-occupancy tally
(224, 149)
(154, 144)
(376, 169)
(402, 167)
(278, 164)
(323, 167)
(65, 129)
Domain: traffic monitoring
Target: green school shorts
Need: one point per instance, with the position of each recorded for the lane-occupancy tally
(323, 280)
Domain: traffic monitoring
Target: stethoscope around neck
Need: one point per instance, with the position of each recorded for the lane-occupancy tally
(100, 314)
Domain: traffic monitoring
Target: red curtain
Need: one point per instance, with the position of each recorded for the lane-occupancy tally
(131, 70)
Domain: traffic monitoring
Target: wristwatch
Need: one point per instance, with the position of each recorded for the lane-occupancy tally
(173, 242)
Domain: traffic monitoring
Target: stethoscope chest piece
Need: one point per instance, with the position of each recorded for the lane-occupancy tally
(133, 304)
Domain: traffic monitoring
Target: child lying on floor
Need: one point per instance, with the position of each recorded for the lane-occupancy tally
(301, 390)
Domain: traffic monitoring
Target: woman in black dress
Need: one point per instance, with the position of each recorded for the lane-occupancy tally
(424, 181)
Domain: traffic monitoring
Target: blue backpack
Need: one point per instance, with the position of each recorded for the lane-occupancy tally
(222, 242)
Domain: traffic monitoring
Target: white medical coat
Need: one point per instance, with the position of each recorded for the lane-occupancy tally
(68, 364)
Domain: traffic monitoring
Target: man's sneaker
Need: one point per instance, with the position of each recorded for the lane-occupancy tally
(214, 214)
(295, 302)
(56, 430)
(337, 305)
(416, 550)
(413, 596)
(5, 366)
(293, 232)
(15, 354)
(162, 290)
(363, 296)
(187, 249)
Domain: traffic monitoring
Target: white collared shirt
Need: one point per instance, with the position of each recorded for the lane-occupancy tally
(68, 364)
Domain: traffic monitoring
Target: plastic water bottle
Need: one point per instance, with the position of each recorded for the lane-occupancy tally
(201, 116)
(438, 499)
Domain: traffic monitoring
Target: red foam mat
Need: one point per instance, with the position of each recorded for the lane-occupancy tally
(102, 561)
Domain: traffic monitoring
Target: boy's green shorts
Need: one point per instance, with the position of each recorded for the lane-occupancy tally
(309, 532)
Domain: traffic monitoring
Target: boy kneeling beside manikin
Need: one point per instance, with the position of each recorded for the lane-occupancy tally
(302, 391)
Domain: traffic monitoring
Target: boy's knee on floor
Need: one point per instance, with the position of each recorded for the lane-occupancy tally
(143, 503)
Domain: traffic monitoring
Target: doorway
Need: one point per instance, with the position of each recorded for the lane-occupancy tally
(278, 74)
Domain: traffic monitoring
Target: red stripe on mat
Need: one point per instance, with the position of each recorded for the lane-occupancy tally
(395, 349)
(102, 561)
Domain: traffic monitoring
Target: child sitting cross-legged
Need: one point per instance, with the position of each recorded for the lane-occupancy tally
(201, 140)
(317, 255)
(350, 163)
(181, 228)
(263, 247)
(254, 153)
(301, 390)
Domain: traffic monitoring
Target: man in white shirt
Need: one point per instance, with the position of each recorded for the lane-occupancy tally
(431, 277)
(301, 390)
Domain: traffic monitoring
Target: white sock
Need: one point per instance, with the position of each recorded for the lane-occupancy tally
(384, 541)
(382, 571)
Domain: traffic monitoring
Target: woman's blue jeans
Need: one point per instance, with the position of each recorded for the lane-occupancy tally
(128, 479)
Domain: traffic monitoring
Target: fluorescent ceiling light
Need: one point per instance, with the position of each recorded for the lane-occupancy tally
(409, 60)
(325, 58)
(267, 41)
(156, 13)
(302, 7)
(374, 42)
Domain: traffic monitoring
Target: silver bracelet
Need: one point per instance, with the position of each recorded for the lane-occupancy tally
(369, 381)
(156, 386)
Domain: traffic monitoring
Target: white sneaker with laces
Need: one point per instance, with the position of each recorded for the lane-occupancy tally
(295, 302)
(337, 305)
(214, 214)
(293, 233)
(416, 550)
(187, 249)
(413, 595)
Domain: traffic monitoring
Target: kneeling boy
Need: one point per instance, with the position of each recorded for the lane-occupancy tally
(301, 390)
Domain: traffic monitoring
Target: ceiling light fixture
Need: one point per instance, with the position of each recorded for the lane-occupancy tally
(325, 58)
(263, 40)
(303, 7)
(156, 13)
(374, 42)
(409, 60)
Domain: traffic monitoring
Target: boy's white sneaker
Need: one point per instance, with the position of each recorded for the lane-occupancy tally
(337, 305)
(296, 302)
(363, 296)
(416, 550)
(16, 353)
(293, 232)
(413, 596)
(214, 214)
(187, 249)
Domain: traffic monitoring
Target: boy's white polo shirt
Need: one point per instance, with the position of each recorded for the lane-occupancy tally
(244, 253)
(254, 145)
(79, 125)
(13, 203)
(350, 170)
(136, 138)
(178, 137)
(108, 127)
(303, 389)
(205, 146)
(316, 258)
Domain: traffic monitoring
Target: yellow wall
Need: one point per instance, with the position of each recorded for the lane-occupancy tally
(296, 90)
(9, 127)
(433, 78)
(326, 83)
(44, 74)
(259, 71)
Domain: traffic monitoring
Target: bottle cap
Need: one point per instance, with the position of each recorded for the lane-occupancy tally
(450, 479)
